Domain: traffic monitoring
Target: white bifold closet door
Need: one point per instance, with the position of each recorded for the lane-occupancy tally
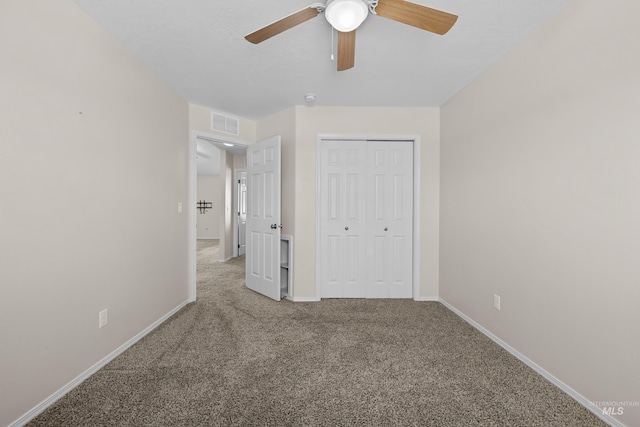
(366, 219)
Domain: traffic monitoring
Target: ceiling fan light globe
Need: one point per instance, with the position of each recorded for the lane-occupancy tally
(346, 15)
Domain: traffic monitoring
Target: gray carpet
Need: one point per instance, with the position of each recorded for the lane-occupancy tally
(237, 358)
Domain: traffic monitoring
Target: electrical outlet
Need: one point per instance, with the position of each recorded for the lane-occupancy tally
(496, 301)
(103, 318)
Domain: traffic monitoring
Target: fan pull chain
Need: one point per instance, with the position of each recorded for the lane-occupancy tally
(332, 44)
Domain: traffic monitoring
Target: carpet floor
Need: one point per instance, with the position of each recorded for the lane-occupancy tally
(236, 358)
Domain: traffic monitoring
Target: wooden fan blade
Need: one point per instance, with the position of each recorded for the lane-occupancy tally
(346, 50)
(282, 25)
(425, 18)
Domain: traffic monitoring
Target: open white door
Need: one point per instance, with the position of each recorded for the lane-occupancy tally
(263, 218)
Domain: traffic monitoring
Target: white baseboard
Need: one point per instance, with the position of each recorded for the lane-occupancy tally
(314, 299)
(562, 386)
(303, 299)
(226, 259)
(428, 299)
(92, 370)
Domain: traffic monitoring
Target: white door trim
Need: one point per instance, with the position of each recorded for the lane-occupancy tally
(415, 139)
(236, 204)
(192, 169)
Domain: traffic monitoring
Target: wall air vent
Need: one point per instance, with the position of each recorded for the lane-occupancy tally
(230, 125)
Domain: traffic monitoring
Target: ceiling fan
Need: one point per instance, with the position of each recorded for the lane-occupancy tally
(347, 15)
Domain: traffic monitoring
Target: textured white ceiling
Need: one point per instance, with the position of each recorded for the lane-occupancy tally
(198, 47)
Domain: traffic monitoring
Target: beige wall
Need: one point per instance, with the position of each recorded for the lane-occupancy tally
(311, 121)
(239, 161)
(208, 188)
(93, 163)
(541, 200)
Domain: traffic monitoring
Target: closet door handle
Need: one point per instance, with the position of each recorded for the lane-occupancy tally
(346, 228)
(386, 229)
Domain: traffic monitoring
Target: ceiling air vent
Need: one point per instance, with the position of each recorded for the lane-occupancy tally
(225, 124)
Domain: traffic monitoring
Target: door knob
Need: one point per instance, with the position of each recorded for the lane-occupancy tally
(386, 228)
(346, 228)
(274, 226)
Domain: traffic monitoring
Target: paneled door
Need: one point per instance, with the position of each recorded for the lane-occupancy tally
(263, 218)
(343, 219)
(365, 219)
(390, 219)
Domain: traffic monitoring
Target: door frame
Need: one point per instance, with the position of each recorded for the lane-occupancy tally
(236, 203)
(191, 209)
(413, 138)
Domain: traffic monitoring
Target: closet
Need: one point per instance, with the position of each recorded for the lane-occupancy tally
(365, 214)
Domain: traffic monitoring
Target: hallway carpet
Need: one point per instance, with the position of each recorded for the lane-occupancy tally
(236, 358)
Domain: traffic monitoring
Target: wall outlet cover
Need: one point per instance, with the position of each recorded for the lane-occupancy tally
(103, 318)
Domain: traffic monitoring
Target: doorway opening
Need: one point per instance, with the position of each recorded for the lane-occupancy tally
(232, 153)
